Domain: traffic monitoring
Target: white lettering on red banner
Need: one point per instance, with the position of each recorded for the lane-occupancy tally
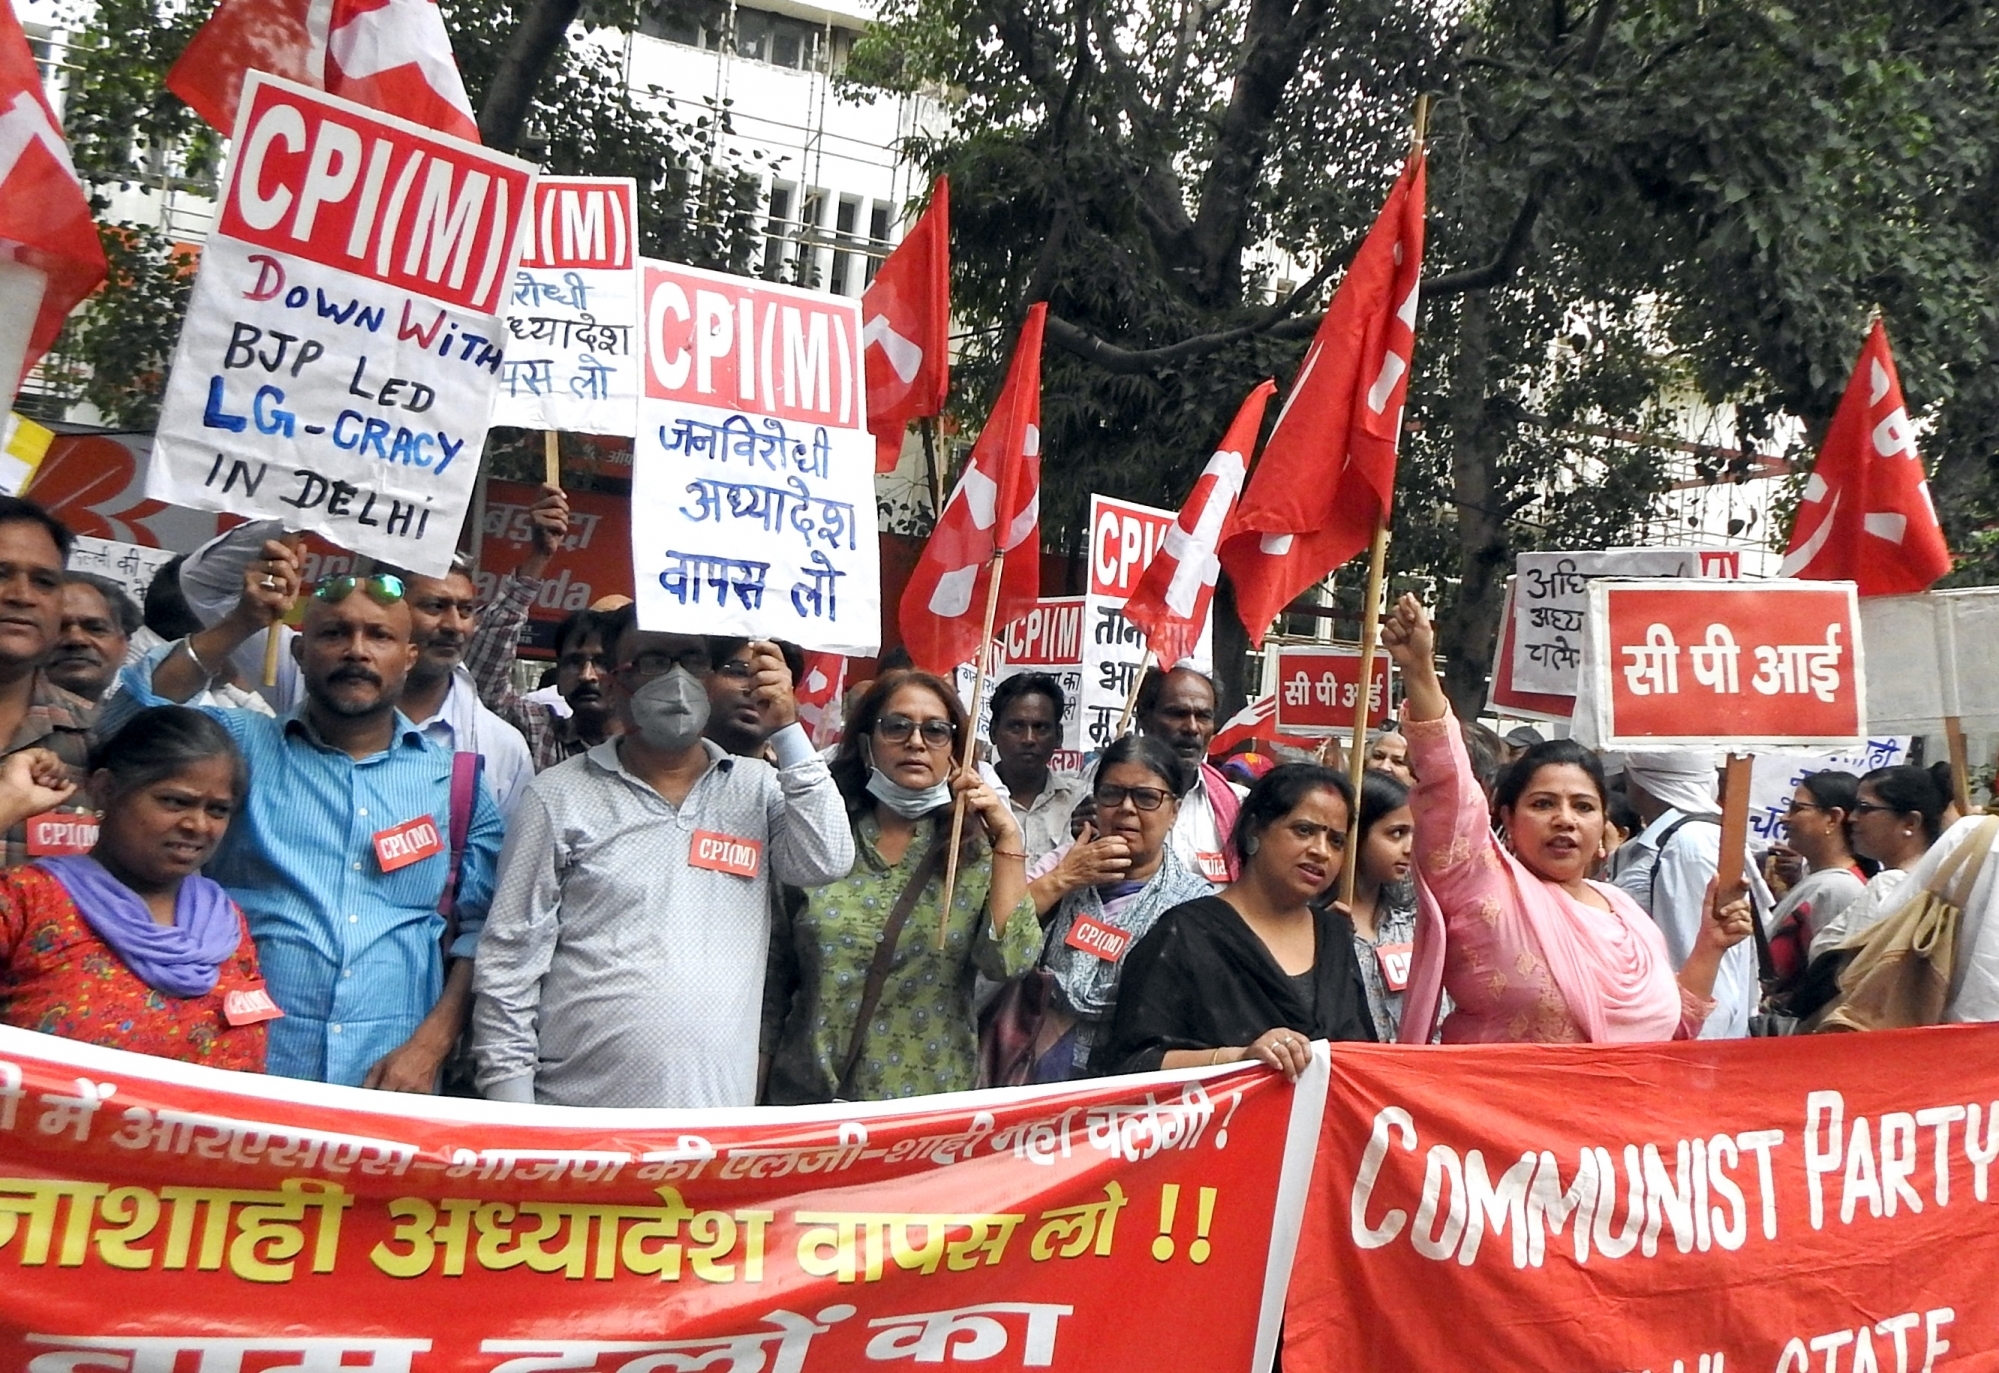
(1318, 689)
(1775, 663)
(1123, 538)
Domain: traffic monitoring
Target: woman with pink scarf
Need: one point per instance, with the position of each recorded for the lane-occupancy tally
(1529, 949)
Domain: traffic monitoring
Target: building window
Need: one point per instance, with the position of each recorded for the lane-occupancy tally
(696, 23)
(878, 237)
(779, 39)
(845, 260)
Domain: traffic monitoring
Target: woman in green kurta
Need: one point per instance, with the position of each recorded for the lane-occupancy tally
(894, 767)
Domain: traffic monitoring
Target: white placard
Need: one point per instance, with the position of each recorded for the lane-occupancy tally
(344, 338)
(753, 475)
(1551, 601)
(1932, 657)
(130, 565)
(1774, 778)
(572, 347)
(1123, 538)
(1049, 639)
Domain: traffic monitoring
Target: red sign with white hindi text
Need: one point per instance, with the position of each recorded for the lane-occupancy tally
(159, 1216)
(376, 196)
(1702, 663)
(1318, 689)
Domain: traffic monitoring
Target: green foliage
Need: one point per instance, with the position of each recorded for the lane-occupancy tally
(114, 355)
(124, 126)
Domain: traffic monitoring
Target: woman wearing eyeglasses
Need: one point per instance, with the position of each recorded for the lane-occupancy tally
(1818, 828)
(841, 1022)
(1897, 816)
(1265, 966)
(1103, 893)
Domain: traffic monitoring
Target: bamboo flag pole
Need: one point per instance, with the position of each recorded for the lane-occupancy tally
(271, 635)
(983, 669)
(1137, 682)
(1377, 566)
(928, 428)
(551, 457)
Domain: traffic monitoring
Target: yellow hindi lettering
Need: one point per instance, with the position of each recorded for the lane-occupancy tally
(257, 1233)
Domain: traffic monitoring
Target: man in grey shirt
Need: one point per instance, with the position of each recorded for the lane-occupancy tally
(622, 962)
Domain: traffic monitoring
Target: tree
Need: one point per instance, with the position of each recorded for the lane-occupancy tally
(1635, 207)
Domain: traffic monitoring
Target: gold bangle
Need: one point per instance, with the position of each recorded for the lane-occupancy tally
(1009, 853)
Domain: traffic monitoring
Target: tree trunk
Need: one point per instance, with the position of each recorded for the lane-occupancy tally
(1468, 630)
(540, 32)
(1233, 689)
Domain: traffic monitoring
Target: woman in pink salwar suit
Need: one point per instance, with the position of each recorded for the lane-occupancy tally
(1528, 947)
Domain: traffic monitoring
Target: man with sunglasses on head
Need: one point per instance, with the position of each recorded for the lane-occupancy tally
(623, 963)
(340, 856)
(439, 695)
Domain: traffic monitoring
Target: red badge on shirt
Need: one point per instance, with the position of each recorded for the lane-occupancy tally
(725, 853)
(410, 842)
(1213, 866)
(1395, 960)
(1095, 937)
(61, 832)
(249, 1005)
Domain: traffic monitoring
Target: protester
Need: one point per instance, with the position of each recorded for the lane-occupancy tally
(1101, 895)
(99, 618)
(1388, 752)
(169, 617)
(833, 1026)
(343, 856)
(1383, 910)
(34, 711)
(614, 969)
(1667, 866)
(1974, 969)
(1178, 708)
(1818, 827)
(1264, 967)
(1621, 823)
(1527, 946)
(1028, 710)
(740, 721)
(1897, 815)
(131, 947)
(583, 652)
(1517, 741)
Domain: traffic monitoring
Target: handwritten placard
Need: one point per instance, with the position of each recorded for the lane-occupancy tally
(753, 498)
(572, 361)
(1123, 538)
(1774, 778)
(1047, 639)
(344, 339)
(128, 564)
(1551, 601)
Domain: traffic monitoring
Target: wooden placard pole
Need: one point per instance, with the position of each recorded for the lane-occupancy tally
(271, 635)
(982, 670)
(1960, 763)
(1370, 630)
(551, 457)
(1728, 875)
(1137, 683)
(927, 427)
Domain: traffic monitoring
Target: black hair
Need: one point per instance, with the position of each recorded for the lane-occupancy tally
(1148, 753)
(625, 620)
(162, 742)
(1910, 790)
(850, 766)
(1554, 753)
(116, 598)
(1153, 683)
(896, 659)
(579, 625)
(167, 611)
(1279, 792)
(1381, 795)
(1028, 684)
(1945, 779)
(1617, 809)
(1482, 746)
(15, 510)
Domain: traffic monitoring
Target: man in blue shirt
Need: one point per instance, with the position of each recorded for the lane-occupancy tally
(341, 852)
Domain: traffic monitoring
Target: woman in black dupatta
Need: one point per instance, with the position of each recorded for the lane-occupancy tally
(1256, 971)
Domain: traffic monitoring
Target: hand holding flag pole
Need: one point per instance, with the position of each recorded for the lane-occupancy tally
(984, 669)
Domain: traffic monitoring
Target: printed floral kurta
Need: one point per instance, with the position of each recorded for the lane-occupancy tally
(59, 977)
(924, 1036)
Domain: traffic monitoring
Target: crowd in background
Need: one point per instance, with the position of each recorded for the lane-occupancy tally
(643, 886)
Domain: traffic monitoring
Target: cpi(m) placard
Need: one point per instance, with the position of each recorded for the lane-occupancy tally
(345, 335)
(572, 356)
(1715, 664)
(1124, 536)
(753, 496)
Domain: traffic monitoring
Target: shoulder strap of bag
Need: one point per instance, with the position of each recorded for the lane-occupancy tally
(465, 771)
(1652, 878)
(1959, 871)
(1766, 962)
(891, 935)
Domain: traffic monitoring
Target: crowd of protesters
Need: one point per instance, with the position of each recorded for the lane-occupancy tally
(392, 868)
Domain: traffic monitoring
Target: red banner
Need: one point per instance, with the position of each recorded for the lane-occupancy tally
(1772, 664)
(1811, 1205)
(162, 1218)
(1318, 689)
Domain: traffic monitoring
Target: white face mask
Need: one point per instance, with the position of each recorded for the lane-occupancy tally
(908, 802)
(671, 710)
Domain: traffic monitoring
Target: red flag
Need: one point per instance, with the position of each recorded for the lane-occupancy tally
(1172, 596)
(906, 329)
(390, 55)
(995, 508)
(1867, 516)
(50, 257)
(818, 690)
(1328, 473)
